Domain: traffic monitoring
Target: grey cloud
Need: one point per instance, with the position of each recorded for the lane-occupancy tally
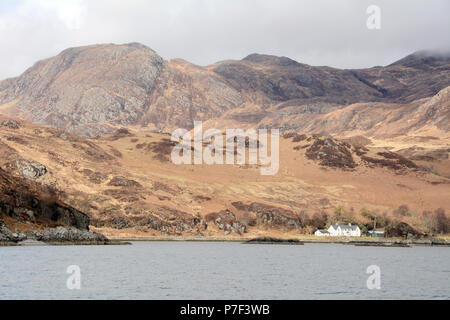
(320, 32)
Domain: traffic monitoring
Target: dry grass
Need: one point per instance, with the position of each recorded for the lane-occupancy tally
(192, 190)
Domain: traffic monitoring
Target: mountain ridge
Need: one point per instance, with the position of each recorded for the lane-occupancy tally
(92, 90)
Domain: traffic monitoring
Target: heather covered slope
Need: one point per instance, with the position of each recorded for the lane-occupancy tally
(127, 185)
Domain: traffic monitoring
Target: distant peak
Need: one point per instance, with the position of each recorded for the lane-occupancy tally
(256, 57)
(137, 45)
(270, 60)
(424, 57)
(437, 53)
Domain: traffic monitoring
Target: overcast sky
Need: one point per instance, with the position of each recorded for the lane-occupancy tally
(317, 32)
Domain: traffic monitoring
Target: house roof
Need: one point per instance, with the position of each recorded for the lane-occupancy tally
(345, 226)
(323, 231)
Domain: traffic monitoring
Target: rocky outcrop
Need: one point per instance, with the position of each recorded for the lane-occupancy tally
(29, 169)
(34, 210)
(66, 234)
(35, 207)
(270, 216)
(163, 219)
(227, 221)
(59, 235)
(331, 153)
(6, 235)
(12, 124)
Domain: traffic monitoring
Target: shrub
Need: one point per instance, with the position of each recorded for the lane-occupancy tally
(400, 229)
(439, 222)
(342, 216)
(403, 211)
(368, 214)
(364, 229)
(319, 220)
(383, 220)
(303, 218)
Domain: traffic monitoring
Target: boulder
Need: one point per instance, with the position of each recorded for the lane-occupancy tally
(6, 235)
(12, 124)
(228, 222)
(30, 169)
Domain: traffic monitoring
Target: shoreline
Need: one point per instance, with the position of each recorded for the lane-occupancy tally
(365, 242)
(28, 243)
(391, 242)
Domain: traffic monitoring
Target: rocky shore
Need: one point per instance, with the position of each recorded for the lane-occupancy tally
(32, 214)
(54, 236)
(271, 240)
(384, 242)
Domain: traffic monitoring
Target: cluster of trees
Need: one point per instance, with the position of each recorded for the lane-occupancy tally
(429, 222)
(436, 222)
(425, 223)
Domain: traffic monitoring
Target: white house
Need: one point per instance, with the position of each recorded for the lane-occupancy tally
(340, 230)
(350, 230)
(322, 232)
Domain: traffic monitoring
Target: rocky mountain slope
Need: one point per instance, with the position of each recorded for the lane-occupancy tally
(94, 89)
(427, 117)
(279, 79)
(88, 90)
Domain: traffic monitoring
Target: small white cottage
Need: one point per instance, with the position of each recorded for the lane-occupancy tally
(340, 230)
(322, 233)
